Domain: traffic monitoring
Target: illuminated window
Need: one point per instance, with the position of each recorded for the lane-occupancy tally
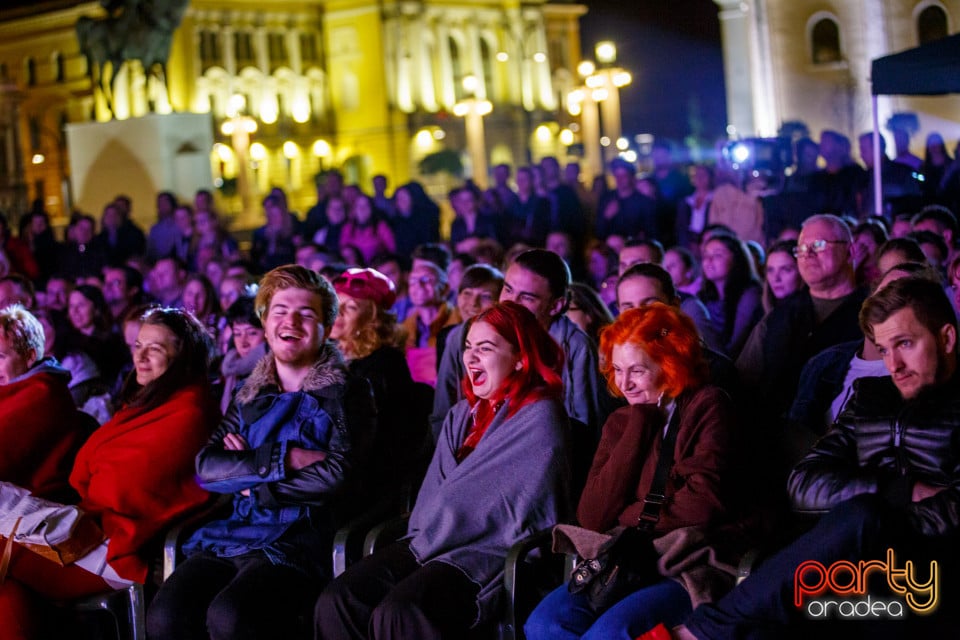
(210, 54)
(243, 48)
(277, 51)
(308, 48)
(825, 42)
(30, 67)
(931, 24)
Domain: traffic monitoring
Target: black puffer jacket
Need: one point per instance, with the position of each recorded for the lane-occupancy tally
(883, 444)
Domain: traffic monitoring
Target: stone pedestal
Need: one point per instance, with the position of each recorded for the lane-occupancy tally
(140, 157)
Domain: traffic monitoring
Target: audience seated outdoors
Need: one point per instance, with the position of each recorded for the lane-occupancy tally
(499, 473)
(405, 297)
(284, 452)
(652, 357)
(134, 474)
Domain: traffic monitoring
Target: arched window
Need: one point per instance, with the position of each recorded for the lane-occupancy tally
(31, 70)
(931, 24)
(825, 42)
(58, 70)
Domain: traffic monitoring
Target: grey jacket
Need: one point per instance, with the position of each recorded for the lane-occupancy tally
(514, 483)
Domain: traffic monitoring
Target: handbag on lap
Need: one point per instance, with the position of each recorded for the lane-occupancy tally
(626, 561)
(61, 533)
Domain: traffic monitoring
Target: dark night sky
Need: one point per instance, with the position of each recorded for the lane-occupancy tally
(673, 50)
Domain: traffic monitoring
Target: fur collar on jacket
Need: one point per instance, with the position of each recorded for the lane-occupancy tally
(329, 369)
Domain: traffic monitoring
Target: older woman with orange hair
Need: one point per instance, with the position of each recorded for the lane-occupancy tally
(652, 357)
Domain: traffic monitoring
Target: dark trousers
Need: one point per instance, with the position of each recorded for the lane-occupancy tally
(863, 528)
(231, 598)
(390, 595)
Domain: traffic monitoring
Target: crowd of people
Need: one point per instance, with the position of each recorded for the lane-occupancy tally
(523, 372)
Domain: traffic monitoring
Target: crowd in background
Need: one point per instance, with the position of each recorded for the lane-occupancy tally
(766, 273)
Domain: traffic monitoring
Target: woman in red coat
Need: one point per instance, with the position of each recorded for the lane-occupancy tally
(135, 473)
(40, 429)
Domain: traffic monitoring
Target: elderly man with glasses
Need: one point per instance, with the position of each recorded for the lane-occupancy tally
(820, 315)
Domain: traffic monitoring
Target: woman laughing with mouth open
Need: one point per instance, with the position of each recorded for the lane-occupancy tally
(499, 473)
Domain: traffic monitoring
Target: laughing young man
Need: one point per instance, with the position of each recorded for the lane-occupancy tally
(284, 451)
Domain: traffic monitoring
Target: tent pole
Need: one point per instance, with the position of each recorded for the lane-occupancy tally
(877, 167)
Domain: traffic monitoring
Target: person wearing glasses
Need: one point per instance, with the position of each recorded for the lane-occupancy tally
(804, 323)
(427, 286)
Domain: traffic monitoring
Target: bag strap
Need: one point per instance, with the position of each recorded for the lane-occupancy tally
(8, 552)
(655, 498)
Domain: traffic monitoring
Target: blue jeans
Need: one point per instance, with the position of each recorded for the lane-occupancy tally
(563, 615)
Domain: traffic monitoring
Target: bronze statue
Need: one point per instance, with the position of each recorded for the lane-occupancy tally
(132, 30)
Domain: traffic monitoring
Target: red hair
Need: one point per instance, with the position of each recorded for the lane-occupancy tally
(541, 360)
(667, 335)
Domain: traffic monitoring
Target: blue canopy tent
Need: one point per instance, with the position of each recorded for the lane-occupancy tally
(931, 69)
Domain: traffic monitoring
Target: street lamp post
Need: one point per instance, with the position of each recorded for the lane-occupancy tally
(607, 82)
(239, 127)
(472, 111)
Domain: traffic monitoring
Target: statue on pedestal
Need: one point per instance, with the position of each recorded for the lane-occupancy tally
(139, 30)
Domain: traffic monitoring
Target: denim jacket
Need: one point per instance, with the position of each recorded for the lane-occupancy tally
(287, 514)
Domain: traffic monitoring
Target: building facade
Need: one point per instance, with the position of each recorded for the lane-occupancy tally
(809, 61)
(298, 87)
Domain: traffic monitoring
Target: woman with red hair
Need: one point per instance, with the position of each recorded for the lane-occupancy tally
(499, 473)
(652, 357)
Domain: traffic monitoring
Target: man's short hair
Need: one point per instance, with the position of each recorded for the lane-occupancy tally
(840, 228)
(22, 330)
(655, 246)
(942, 216)
(549, 265)
(26, 287)
(433, 252)
(481, 275)
(909, 247)
(621, 164)
(293, 276)
(654, 272)
(926, 236)
(927, 299)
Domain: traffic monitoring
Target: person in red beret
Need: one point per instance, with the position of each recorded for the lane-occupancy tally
(372, 344)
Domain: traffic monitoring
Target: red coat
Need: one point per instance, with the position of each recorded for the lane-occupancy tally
(136, 473)
(40, 432)
(626, 459)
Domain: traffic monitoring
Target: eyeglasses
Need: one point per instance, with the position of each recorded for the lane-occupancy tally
(817, 246)
(425, 281)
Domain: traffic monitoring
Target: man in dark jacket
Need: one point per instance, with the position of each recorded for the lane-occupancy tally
(888, 479)
(285, 451)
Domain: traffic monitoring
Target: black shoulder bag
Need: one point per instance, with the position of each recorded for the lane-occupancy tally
(628, 561)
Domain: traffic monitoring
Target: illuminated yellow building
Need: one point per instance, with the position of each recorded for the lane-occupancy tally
(296, 87)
